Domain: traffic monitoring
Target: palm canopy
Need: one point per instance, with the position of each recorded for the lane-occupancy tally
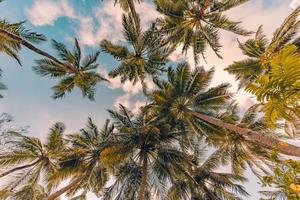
(184, 98)
(197, 23)
(31, 161)
(185, 91)
(125, 4)
(82, 162)
(149, 155)
(9, 45)
(73, 69)
(207, 183)
(146, 55)
(260, 51)
(237, 151)
(271, 70)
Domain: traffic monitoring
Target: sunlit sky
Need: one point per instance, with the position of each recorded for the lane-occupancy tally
(28, 98)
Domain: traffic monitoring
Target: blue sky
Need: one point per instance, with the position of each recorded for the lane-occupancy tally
(28, 95)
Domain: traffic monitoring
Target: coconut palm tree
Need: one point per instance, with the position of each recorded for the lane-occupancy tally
(30, 161)
(196, 24)
(14, 35)
(27, 192)
(146, 56)
(260, 51)
(149, 155)
(185, 97)
(207, 183)
(237, 151)
(73, 69)
(128, 5)
(83, 163)
(271, 72)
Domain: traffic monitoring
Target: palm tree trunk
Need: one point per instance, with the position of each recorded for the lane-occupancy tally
(35, 49)
(144, 179)
(204, 7)
(28, 45)
(134, 14)
(253, 136)
(19, 168)
(62, 190)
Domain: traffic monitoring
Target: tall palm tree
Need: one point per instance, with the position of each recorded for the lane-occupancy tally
(128, 5)
(83, 163)
(150, 156)
(207, 183)
(31, 161)
(74, 70)
(14, 35)
(185, 97)
(260, 51)
(147, 55)
(196, 24)
(27, 192)
(237, 151)
(271, 71)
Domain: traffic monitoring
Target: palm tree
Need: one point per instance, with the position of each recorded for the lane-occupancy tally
(259, 51)
(185, 97)
(239, 152)
(31, 161)
(147, 56)
(13, 35)
(149, 155)
(27, 192)
(207, 183)
(73, 69)
(196, 24)
(271, 71)
(128, 5)
(83, 162)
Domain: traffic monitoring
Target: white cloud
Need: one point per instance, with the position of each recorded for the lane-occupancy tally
(129, 90)
(105, 22)
(45, 12)
(109, 22)
(294, 3)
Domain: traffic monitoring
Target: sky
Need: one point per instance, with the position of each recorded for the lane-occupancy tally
(28, 98)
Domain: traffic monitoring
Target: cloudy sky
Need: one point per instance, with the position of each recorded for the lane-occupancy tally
(28, 97)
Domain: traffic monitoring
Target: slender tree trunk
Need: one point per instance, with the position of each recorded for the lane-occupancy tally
(253, 136)
(62, 190)
(35, 49)
(19, 168)
(28, 45)
(134, 14)
(204, 7)
(141, 193)
(210, 195)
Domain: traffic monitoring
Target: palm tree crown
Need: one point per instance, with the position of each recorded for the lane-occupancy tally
(149, 153)
(83, 163)
(147, 55)
(196, 24)
(31, 161)
(73, 69)
(10, 45)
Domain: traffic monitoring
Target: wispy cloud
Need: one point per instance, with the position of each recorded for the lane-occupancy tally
(294, 3)
(46, 12)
